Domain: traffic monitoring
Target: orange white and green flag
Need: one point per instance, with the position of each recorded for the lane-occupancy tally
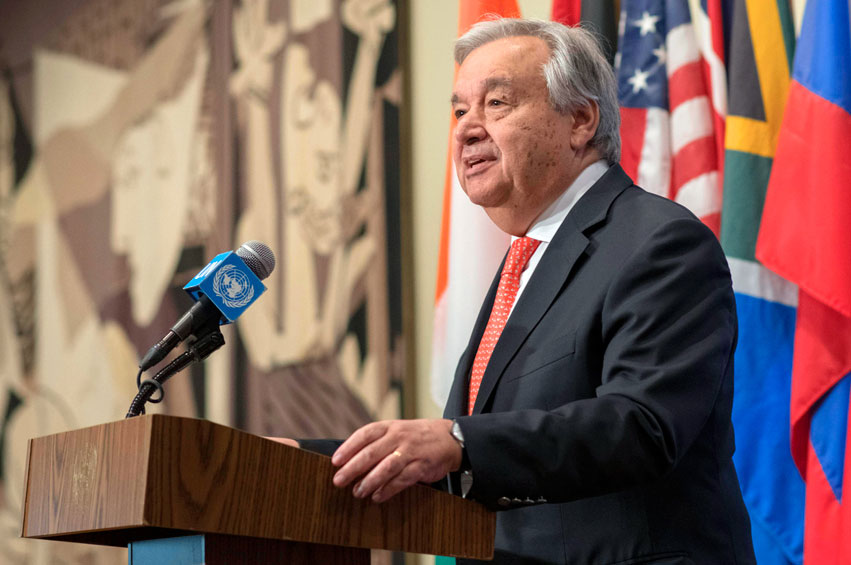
(471, 246)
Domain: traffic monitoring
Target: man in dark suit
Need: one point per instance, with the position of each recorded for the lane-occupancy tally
(592, 405)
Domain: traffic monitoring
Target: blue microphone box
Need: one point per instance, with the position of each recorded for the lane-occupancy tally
(229, 284)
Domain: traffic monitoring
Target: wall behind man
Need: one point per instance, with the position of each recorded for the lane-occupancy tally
(140, 138)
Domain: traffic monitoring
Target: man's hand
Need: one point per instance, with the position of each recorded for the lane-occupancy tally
(285, 441)
(387, 457)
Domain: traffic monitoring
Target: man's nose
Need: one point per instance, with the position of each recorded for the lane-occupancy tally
(470, 128)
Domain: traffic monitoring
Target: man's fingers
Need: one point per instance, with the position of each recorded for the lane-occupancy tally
(357, 441)
(284, 440)
(385, 457)
(362, 461)
(409, 476)
(391, 466)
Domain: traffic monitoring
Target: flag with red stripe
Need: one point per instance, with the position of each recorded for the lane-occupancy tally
(672, 96)
(599, 16)
(568, 12)
(709, 23)
(804, 238)
(471, 246)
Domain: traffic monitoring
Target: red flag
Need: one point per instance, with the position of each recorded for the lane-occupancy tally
(600, 16)
(804, 238)
(568, 12)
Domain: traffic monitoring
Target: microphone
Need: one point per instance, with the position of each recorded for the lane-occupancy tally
(223, 290)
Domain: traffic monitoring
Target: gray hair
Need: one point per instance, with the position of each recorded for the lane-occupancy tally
(576, 72)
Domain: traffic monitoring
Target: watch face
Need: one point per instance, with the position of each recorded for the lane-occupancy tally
(456, 433)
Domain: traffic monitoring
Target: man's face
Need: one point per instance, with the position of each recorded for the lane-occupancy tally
(512, 150)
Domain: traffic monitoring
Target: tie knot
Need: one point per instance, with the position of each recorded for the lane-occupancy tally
(518, 256)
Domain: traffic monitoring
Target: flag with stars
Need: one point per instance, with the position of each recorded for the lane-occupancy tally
(671, 93)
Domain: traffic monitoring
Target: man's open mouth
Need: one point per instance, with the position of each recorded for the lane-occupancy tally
(475, 164)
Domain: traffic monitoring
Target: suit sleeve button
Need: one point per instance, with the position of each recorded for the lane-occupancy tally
(504, 501)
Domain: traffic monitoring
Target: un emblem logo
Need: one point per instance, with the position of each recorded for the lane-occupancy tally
(233, 287)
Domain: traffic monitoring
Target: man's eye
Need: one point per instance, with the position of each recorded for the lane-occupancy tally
(459, 113)
(495, 103)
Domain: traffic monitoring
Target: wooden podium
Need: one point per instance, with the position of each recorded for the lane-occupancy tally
(169, 486)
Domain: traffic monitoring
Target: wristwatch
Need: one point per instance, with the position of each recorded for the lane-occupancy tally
(466, 468)
(457, 434)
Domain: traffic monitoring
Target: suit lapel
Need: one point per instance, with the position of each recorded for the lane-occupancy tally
(549, 278)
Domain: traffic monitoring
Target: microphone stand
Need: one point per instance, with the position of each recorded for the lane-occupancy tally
(198, 350)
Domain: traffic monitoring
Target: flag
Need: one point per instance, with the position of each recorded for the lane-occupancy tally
(568, 12)
(761, 45)
(599, 16)
(709, 20)
(804, 238)
(471, 246)
(672, 105)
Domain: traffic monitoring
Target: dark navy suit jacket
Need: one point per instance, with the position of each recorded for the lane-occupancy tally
(601, 432)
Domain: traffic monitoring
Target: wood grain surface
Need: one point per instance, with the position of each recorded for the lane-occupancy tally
(158, 476)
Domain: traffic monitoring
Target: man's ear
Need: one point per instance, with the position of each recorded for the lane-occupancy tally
(585, 122)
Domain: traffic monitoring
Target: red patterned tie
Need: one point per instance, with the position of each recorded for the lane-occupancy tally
(509, 282)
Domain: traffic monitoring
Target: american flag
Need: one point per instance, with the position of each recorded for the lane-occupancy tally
(673, 101)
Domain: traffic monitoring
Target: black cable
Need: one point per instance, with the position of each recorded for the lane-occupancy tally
(157, 387)
(148, 387)
(198, 350)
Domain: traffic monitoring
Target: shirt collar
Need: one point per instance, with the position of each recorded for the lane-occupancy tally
(547, 224)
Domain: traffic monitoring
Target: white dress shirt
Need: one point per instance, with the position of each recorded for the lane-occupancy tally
(548, 223)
